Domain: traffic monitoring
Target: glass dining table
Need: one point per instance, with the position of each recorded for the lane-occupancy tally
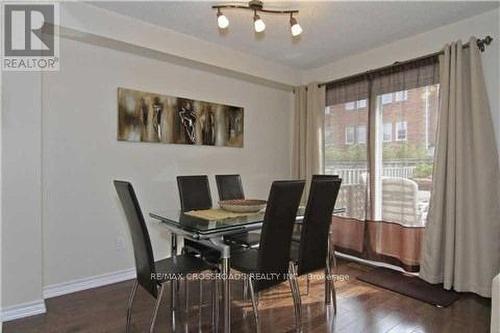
(211, 233)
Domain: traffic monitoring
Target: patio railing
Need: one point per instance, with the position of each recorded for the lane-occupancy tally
(355, 175)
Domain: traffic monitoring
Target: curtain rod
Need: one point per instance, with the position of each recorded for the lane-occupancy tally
(481, 44)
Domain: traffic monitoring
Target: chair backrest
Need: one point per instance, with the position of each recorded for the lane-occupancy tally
(143, 253)
(194, 192)
(399, 201)
(315, 177)
(229, 187)
(276, 235)
(316, 225)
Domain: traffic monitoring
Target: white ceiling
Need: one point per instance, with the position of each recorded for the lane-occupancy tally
(332, 30)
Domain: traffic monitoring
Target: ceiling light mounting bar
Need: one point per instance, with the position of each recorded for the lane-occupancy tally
(256, 8)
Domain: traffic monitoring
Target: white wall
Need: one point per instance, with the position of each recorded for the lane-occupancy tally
(81, 156)
(21, 189)
(72, 148)
(485, 24)
(77, 15)
(81, 219)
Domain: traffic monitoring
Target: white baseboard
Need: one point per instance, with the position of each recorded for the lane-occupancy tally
(38, 307)
(69, 287)
(23, 310)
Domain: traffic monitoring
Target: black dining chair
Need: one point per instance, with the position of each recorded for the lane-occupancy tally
(297, 230)
(151, 275)
(194, 194)
(313, 252)
(230, 187)
(273, 255)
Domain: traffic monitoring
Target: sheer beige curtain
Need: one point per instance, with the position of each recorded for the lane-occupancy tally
(462, 239)
(346, 155)
(379, 134)
(307, 152)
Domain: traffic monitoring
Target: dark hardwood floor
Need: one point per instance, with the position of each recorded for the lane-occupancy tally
(361, 308)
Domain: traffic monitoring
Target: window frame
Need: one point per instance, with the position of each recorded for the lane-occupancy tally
(389, 99)
(401, 96)
(365, 140)
(384, 132)
(347, 141)
(352, 106)
(405, 127)
(358, 106)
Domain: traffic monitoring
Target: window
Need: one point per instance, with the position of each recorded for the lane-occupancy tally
(349, 135)
(361, 103)
(401, 131)
(386, 180)
(401, 96)
(327, 110)
(361, 134)
(349, 106)
(329, 136)
(386, 98)
(387, 132)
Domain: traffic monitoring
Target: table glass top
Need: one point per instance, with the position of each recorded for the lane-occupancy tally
(178, 220)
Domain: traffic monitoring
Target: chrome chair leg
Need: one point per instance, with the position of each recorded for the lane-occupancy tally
(200, 292)
(254, 305)
(157, 306)
(297, 302)
(130, 302)
(327, 275)
(186, 295)
(334, 259)
(333, 264)
(330, 293)
(245, 290)
(245, 295)
(327, 284)
(331, 252)
(334, 296)
(308, 285)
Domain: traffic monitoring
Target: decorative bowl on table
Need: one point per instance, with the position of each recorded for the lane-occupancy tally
(243, 205)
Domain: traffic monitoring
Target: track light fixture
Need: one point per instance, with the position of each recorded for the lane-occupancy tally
(259, 25)
(257, 7)
(295, 27)
(222, 20)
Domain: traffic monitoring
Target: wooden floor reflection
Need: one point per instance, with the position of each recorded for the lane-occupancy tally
(361, 308)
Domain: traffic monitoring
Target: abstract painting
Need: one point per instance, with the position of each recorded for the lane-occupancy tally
(149, 117)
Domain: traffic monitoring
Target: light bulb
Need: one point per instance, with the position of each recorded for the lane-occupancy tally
(295, 27)
(259, 25)
(222, 21)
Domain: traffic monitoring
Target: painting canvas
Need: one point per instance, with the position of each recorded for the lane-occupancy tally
(149, 117)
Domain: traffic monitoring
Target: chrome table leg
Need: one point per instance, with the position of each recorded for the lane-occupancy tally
(174, 284)
(226, 286)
